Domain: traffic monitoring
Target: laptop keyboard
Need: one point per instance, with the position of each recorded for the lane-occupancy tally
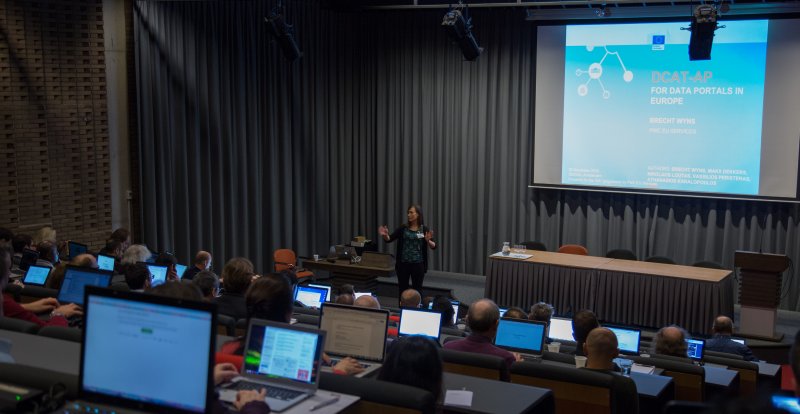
(272, 392)
(364, 365)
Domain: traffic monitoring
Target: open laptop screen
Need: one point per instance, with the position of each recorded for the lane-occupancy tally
(105, 262)
(283, 352)
(159, 273)
(327, 291)
(628, 339)
(310, 296)
(695, 348)
(180, 269)
(420, 322)
(36, 275)
(560, 329)
(76, 279)
(143, 349)
(739, 340)
(356, 332)
(29, 257)
(76, 248)
(455, 305)
(520, 335)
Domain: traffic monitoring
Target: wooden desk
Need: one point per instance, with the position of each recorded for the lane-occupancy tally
(362, 276)
(490, 396)
(620, 291)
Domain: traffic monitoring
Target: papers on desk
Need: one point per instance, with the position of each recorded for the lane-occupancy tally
(521, 256)
(643, 369)
(462, 398)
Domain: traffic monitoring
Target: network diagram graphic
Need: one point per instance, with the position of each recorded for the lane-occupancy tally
(595, 72)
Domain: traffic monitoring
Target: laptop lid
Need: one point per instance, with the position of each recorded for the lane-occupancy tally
(159, 273)
(36, 275)
(76, 248)
(423, 322)
(627, 338)
(521, 335)
(180, 269)
(360, 294)
(455, 304)
(147, 352)
(77, 278)
(310, 296)
(503, 311)
(29, 257)
(560, 329)
(695, 348)
(355, 332)
(105, 262)
(327, 290)
(739, 340)
(283, 354)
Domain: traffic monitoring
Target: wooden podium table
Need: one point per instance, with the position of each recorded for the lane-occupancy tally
(363, 276)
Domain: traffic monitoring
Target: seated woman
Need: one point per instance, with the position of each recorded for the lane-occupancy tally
(443, 305)
(415, 361)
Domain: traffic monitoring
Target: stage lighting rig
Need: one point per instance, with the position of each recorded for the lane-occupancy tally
(458, 26)
(703, 25)
(283, 33)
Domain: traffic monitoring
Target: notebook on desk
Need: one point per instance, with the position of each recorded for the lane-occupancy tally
(145, 354)
(359, 333)
(283, 359)
(521, 335)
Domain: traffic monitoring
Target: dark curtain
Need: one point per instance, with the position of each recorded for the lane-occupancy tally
(243, 152)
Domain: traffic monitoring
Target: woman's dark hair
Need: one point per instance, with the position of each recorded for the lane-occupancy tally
(178, 290)
(414, 360)
(121, 235)
(443, 305)
(420, 219)
(270, 297)
(236, 275)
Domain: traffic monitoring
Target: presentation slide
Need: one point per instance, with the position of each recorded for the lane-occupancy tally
(636, 113)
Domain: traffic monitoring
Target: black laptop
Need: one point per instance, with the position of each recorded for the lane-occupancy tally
(77, 278)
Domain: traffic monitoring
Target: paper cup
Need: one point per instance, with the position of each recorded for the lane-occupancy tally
(580, 361)
(554, 347)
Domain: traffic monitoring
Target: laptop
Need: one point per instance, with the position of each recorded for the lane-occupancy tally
(105, 262)
(454, 304)
(327, 290)
(29, 257)
(159, 273)
(503, 311)
(36, 275)
(76, 249)
(180, 269)
(360, 294)
(77, 278)
(359, 333)
(521, 335)
(739, 340)
(423, 322)
(284, 359)
(695, 349)
(310, 296)
(560, 330)
(164, 346)
(627, 339)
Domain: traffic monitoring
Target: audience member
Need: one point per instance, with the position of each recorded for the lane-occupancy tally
(138, 277)
(600, 348)
(123, 236)
(541, 312)
(56, 277)
(347, 288)
(515, 312)
(722, 342)
(185, 291)
(345, 299)
(410, 298)
(236, 277)
(168, 260)
(48, 254)
(367, 301)
(45, 233)
(582, 323)
(670, 340)
(208, 282)
(202, 261)
(20, 242)
(135, 253)
(443, 305)
(482, 319)
(426, 302)
(6, 235)
(414, 361)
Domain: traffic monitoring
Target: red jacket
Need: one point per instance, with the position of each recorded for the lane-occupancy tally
(12, 309)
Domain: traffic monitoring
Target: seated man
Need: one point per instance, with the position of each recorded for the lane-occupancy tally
(515, 313)
(202, 261)
(410, 298)
(138, 277)
(601, 348)
(367, 301)
(582, 323)
(541, 312)
(671, 341)
(482, 319)
(722, 342)
(208, 282)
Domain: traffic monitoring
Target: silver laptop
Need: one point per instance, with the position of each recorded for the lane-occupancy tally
(359, 333)
(560, 329)
(281, 358)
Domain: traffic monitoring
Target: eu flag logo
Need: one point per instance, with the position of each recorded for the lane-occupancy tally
(659, 41)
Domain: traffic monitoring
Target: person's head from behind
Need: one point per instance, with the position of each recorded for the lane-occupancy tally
(414, 215)
(415, 361)
(45, 233)
(138, 276)
(344, 299)
(483, 317)
(202, 260)
(236, 275)
(84, 260)
(541, 312)
(208, 282)
(270, 297)
(670, 340)
(443, 305)
(21, 242)
(177, 290)
(515, 313)
(48, 251)
(6, 235)
(347, 288)
(582, 323)
(723, 325)
(600, 348)
(166, 259)
(410, 298)
(112, 248)
(136, 253)
(123, 236)
(367, 301)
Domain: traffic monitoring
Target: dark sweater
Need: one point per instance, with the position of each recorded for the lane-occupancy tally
(397, 234)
